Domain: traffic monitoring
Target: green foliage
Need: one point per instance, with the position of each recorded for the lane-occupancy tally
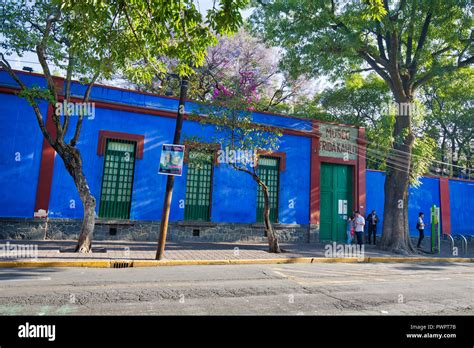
(450, 119)
(108, 36)
(407, 43)
(380, 140)
(358, 100)
(365, 101)
(36, 92)
(336, 37)
(224, 64)
(423, 156)
(230, 116)
(374, 11)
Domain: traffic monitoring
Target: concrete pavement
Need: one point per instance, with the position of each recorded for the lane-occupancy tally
(290, 289)
(135, 254)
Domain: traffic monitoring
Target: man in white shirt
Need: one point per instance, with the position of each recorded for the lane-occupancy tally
(359, 223)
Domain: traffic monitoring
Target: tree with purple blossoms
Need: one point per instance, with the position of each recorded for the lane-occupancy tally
(224, 63)
(230, 112)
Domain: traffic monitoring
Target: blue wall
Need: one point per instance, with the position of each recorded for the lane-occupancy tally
(21, 143)
(170, 104)
(148, 188)
(234, 193)
(19, 179)
(422, 198)
(461, 194)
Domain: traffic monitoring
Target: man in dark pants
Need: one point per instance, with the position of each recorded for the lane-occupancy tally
(359, 223)
(420, 226)
(372, 220)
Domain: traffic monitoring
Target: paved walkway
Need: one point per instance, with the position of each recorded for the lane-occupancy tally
(13, 250)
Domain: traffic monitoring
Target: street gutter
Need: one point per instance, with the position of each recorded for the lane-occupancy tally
(122, 263)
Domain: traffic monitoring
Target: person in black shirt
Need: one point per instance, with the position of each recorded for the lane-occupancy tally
(372, 220)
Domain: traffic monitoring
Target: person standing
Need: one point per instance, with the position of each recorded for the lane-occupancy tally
(350, 229)
(372, 221)
(359, 223)
(420, 226)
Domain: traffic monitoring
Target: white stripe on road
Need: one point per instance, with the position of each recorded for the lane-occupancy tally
(24, 280)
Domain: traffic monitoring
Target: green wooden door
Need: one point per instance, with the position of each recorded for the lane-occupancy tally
(268, 171)
(117, 179)
(336, 201)
(198, 187)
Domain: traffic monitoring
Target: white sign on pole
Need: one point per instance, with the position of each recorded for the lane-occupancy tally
(171, 160)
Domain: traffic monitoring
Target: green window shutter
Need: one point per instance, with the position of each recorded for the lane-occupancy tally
(117, 179)
(269, 172)
(198, 187)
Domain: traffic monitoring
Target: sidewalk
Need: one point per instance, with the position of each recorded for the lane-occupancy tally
(186, 253)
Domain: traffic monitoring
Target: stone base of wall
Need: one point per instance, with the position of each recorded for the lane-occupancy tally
(149, 230)
(313, 235)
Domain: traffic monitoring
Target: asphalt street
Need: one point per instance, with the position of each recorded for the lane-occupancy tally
(290, 289)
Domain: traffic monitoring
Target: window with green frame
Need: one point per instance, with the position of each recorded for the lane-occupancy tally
(269, 172)
(117, 179)
(198, 186)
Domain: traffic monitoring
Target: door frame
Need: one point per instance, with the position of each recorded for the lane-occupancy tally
(355, 188)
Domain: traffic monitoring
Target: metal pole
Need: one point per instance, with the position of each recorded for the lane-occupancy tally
(170, 179)
(439, 229)
(433, 222)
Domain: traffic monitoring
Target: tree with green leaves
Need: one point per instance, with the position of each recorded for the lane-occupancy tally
(93, 39)
(230, 113)
(407, 43)
(359, 101)
(450, 120)
(363, 101)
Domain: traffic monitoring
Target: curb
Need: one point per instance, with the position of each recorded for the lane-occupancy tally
(118, 263)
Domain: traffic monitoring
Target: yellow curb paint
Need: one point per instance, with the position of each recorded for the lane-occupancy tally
(152, 263)
(286, 260)
(419, 259)
(41, 264)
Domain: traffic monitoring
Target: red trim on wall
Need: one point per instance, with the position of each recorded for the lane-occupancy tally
(122, 89)
(339, 124)
(155, 112)
(170, 114)
(315, 178)
(337, 161)
(104, 135)
(445, 205)
(45, 179)
(9, 90)
(457, 179)
(279, 154)
(59, 84)
(361, 184)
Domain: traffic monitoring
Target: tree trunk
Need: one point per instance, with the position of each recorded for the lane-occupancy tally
(396, 234)
(84, 243)
(73, 162)
(469, 164)
(443, 154)
(273, 245)
(454, 158)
